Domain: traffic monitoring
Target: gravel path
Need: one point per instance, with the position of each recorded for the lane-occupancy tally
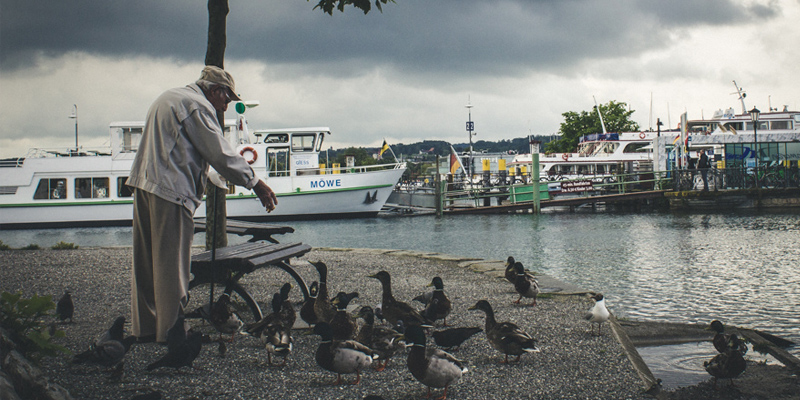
(572, 364)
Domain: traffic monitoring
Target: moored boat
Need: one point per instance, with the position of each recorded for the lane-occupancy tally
(86, 187)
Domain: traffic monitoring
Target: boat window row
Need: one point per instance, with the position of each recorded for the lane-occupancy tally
(738, 126)
(82, 188)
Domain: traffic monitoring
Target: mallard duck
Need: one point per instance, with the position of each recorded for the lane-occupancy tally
(341, 356)
(511, 273)
(439, 306)
(526, 284)
(394, 310)
(343, 324)
(598, 314)
(307, 313)
(322, 306)
(724, 342)
(431, 366)
(726, 365)
(452, 338)
(288, 315)
(276, 334)
(223, 319)
(383, 341)
(506, 337)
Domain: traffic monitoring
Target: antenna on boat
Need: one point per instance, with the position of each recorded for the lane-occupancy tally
(74, 116)
(603, 124)
(742, 95)
(651, 112)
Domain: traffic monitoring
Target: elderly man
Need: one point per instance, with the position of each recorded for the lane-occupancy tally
(181, 138)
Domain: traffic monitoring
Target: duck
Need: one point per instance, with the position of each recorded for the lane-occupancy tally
(277, 333)
(726, 365)
(394, 310)
(451, 339)
(223, 319)
(288, 316)
(282, 313)
(723, 342)
(307, 313)
(439, 306)
(505, 337)
(343, 324)
(341, 356)
(526, 284)
(511, 273)
(322, 306)
(433, 367)
(598, 314)
(385, 342)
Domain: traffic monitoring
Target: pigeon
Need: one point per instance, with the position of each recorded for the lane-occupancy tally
(65, 308)
(109, 348)
(452, 338)
(182, 347)
(599, 313)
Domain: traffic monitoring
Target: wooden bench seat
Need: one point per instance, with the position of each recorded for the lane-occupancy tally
(258, 231)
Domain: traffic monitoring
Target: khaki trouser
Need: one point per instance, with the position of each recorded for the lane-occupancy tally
(162, 241)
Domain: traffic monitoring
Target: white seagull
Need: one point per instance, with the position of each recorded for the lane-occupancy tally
(599, 313)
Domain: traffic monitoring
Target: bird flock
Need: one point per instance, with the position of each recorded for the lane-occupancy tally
(350, 342)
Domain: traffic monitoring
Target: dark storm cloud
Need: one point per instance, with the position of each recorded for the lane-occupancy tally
(441, 37)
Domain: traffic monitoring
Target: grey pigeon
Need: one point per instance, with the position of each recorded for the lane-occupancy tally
(65, 308)
(109, 349)
(182, 347)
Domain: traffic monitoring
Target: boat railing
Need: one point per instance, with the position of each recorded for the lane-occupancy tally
(50, 152)
(352, 170)
(12, 162)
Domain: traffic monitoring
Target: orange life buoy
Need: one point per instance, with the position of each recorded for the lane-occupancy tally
(565, 156)
(251, 150)
(642, 135)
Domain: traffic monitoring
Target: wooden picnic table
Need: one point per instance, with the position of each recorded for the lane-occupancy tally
(258, 231)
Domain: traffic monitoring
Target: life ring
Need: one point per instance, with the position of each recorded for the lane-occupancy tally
(250, 150)
(642, 135)
(565, 156)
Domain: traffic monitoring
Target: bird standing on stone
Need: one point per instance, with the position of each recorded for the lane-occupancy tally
(182, 347)
(341, 356)
(431, 366)
(525, 284)
(726, 365)
(394, 310)
(65, 308)
(506, 337)
(452, 338)
(724, 342)
(598, 314)
(439, 306)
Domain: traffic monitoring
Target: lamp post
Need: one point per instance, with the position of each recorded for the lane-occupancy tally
(74, 116)
(470, 128)
(754, 114)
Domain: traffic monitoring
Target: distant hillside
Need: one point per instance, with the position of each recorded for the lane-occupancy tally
(439, 147)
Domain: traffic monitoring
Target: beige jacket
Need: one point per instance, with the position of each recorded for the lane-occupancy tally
(181, 139)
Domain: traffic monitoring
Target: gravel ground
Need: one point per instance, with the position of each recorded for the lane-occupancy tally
(572, 363)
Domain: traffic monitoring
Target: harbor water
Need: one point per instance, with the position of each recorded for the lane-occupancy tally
(741, 268)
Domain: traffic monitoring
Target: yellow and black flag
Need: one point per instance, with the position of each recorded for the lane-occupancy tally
(383, 148)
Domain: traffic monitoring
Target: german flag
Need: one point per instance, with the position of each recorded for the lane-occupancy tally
(455, 163)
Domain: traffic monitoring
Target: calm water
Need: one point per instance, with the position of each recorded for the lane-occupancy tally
(741, 268)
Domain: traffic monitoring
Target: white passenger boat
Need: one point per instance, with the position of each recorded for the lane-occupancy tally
(598, 155)
(86, 187)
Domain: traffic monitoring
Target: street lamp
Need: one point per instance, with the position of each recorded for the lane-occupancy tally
(754, 114)
(74, 116)
(470, 128)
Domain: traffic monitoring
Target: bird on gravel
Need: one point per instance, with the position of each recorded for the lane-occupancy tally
(322, 306)
(525, 284)
(439, 306)
(343, 324)
(394, 310)
(341, 356)
(724, 342)
(431, 366)
(452, 338)
(307, 313)
(182, 347)
(511, 273)
(109, 348)
(598, 314)
(65, 308)
(385, 342)
(506, 337)
(726, 365)
(223, 319)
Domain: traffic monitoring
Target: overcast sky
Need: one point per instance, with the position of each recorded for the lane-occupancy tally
(405, 74)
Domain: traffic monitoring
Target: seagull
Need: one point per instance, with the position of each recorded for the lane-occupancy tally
(65, 308)
(599, 313)
(182, 347)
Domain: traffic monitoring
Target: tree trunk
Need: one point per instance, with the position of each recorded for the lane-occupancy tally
(216, 210)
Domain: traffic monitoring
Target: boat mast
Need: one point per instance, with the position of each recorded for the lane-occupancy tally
(74, 116)
(470, 128)
(603, 124)
(742, 95)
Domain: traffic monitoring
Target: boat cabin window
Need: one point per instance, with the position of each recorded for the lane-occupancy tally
(634, 148)
(123, 190)
(278, 161)
(774, 125)
(130, 139)
(303, 142)
(91, 188)
(277, 138)
(762, 125)
(51, 189)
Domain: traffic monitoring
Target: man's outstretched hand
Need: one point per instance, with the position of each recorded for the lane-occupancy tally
(266, 195)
